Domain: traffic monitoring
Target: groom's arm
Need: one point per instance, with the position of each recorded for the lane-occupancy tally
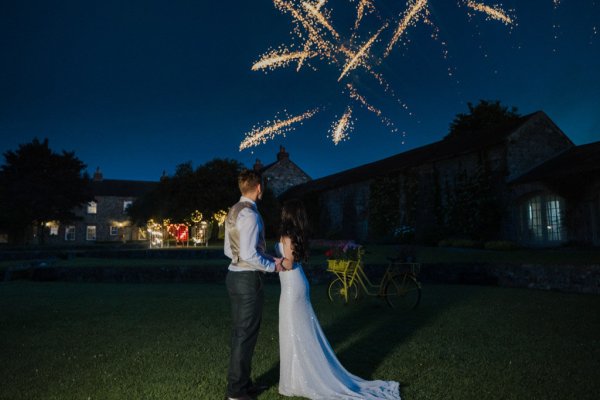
(248, 224)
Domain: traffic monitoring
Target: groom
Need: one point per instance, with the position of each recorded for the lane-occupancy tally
(245, 246)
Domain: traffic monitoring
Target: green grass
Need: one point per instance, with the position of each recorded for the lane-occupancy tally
(170, 341)
(376, 254)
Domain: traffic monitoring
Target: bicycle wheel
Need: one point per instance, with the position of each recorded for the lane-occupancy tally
(403, 292)
(337, 292)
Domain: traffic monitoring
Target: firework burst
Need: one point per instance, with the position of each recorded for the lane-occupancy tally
(317, 39)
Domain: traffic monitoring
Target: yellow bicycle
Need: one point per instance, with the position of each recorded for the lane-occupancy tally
(398, 286)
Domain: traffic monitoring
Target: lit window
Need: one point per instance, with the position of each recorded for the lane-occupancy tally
(114, 230)
(92, 207)
(542, 219)
(126, 205)
(54, 230)
(70, 232)
(91, 232)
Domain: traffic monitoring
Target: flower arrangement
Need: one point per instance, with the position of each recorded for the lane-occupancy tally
(343, 250)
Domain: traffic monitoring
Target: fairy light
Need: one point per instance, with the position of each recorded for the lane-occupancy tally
(220, 217)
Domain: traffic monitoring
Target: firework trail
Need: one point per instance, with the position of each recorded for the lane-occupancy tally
(492, 12)
(359, 54)
(341, 128)
(354, 95)
(317, 38)
(410, 18)
(317, 15)
(314, 36)
(278, 127)
(364, 7)
(277, 59)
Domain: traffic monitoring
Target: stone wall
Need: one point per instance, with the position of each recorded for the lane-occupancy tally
(345, 212)
(283, 175)
(534, 143)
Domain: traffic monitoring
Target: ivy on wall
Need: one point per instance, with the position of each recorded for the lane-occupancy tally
(384, 207)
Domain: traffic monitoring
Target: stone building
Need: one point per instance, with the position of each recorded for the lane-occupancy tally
(282, 174)
(105, 219)
(514, 165)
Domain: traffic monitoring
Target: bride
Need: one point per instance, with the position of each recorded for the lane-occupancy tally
(308, 365)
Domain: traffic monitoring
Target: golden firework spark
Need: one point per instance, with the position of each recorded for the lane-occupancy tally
(260, 135)
(354, 95)
(364, 7)
(318, 16)
(341, 128)
(314, 36)
(277, 59)
(495, 12)
(410, 18)
(317, 38)
(353, 62)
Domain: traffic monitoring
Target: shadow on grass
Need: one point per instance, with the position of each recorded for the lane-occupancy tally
(364, 334)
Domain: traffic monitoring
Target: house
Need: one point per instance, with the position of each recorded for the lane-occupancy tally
(282, 174)
(105, 219)
(421, 190)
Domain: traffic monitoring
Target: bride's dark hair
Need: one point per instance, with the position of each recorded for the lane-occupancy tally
(294, 224)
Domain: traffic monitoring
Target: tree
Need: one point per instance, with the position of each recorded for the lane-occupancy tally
(38, 186)
(485, 115)
(208, 189)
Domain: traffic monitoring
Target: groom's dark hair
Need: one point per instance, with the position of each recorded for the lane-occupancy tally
(248, 180)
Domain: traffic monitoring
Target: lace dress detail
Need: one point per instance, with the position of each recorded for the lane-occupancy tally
(308, 366)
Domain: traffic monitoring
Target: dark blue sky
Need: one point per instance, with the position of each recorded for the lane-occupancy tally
(137, 87)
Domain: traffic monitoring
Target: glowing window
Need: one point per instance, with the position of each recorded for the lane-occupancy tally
(92, 207)
(542, 219)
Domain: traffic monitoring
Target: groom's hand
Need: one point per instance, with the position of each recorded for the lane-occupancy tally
(278, 266)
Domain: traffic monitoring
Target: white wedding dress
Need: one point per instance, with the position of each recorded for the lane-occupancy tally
(308, 365)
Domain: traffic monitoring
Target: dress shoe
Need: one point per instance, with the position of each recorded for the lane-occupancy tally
(256, 389)
(242, 397)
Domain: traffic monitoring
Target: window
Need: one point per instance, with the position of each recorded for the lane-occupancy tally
(542, 220)
(70, 232)
(126, 205)
(90, 232)
(54, 230)
(114, 230)
(92, 207)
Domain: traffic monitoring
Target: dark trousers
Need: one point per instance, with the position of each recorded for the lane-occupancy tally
(246, 294)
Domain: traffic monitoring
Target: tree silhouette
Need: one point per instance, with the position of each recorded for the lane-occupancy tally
(485, 115)
(37, 186)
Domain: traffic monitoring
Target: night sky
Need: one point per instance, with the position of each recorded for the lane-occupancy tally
(137, 87)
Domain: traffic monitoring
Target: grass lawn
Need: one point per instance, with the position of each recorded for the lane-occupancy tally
(170, 341)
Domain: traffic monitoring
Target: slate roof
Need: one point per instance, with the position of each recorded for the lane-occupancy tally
(576, 161)
(443, 149)
(121, 188)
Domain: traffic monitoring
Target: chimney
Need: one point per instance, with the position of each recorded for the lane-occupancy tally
(258, 165)
(282, 154)
(98, 175)
(164, 176)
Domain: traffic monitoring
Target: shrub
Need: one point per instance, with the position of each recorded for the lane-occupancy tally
(457, 242)
(500, 245)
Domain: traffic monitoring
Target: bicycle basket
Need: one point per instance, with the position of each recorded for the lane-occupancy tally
(338, 265)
